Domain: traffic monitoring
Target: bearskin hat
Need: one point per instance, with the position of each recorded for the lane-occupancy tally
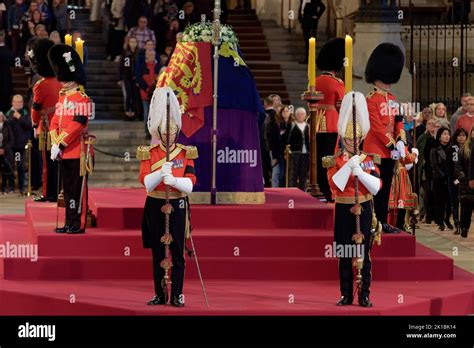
(66, 64)
(385, 64)
(38, 56)
(331, 56)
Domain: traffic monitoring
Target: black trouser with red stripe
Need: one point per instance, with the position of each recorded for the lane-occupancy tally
(72, 183)
(50, 177)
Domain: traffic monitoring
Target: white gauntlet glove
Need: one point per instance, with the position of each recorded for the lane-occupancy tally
(55, 151)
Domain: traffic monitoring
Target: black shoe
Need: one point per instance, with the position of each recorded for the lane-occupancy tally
(364, 301)
(62, 229)
(441, 227)
(457, 231)
(387, 228)
(464, 233)
(176, 301)
(74, 230)
(449, 224)
(40, 199)
(157, 300)
(344, 301)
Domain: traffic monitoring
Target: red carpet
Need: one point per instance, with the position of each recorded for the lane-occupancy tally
(252, 259)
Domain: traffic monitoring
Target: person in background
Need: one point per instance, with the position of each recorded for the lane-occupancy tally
(440, 169)
(55, 37)
(425, 144)
(41, 32)
(46, 14)
(299, 141)
(277, 104)
(14, 16)
(147, 74)
(286, 118)
(265, 151)
(457, 142)
(26, 34)
(172, 32)
(274, 144)
(6, 83)
(36, 18)
(466, 121)
(308, 15)
(7, 141)
(142, 33)
(20, 122)
(133, 11)
(3, 15)
(464, 172)
(441, 115)
(62, 17)
(190, 15)
(118, 29)
(127, 78)
(460, 111)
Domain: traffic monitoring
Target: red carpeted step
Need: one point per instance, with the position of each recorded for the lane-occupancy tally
(427, 265)
(217, 243)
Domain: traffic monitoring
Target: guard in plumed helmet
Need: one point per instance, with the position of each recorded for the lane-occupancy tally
(45, 97)
(387, 136)
(156, 173)
(330, 61)
(68, 132)
(353, 201)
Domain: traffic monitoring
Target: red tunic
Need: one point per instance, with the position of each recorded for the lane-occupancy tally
(347, 196)
(386, 126)
(401, 192)
(333, 90)
(45, 96)
(183, 165)
(69, 124)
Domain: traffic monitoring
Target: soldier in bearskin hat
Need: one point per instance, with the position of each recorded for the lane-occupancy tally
(68, 133)
(45, 97)
(386, 137)
(330, 61)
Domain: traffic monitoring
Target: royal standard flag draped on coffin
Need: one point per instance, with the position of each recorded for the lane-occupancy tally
(190, 75)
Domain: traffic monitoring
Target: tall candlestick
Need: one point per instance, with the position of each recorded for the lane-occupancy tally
(312, 62)
(68, 39)
(80, 48)
(348, 65)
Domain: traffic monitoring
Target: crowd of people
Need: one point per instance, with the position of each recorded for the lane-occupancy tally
(444, 145)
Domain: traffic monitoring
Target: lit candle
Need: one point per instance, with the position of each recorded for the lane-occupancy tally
(68, 39)
(312, 62)
(348, 65)
(80, 48)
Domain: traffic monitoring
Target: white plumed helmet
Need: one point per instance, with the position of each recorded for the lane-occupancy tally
(157, 113)
(344, 125)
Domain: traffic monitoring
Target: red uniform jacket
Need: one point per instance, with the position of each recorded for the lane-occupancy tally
(69, 124)
(333, 90)
(334, 163)
(45, 97)
(153, 157)
(386, 126)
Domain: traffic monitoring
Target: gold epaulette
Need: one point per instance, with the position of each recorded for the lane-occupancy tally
(375, 157)
(370, 94)
(191, 151)
(337, 78)
(143, 152)
(329, 161)
(39, 81)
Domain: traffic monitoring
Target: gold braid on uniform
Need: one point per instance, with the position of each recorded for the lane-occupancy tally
(143, 153)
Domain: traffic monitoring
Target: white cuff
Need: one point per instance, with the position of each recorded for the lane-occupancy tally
(152, 180)
(370, 182)
(184, 185)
